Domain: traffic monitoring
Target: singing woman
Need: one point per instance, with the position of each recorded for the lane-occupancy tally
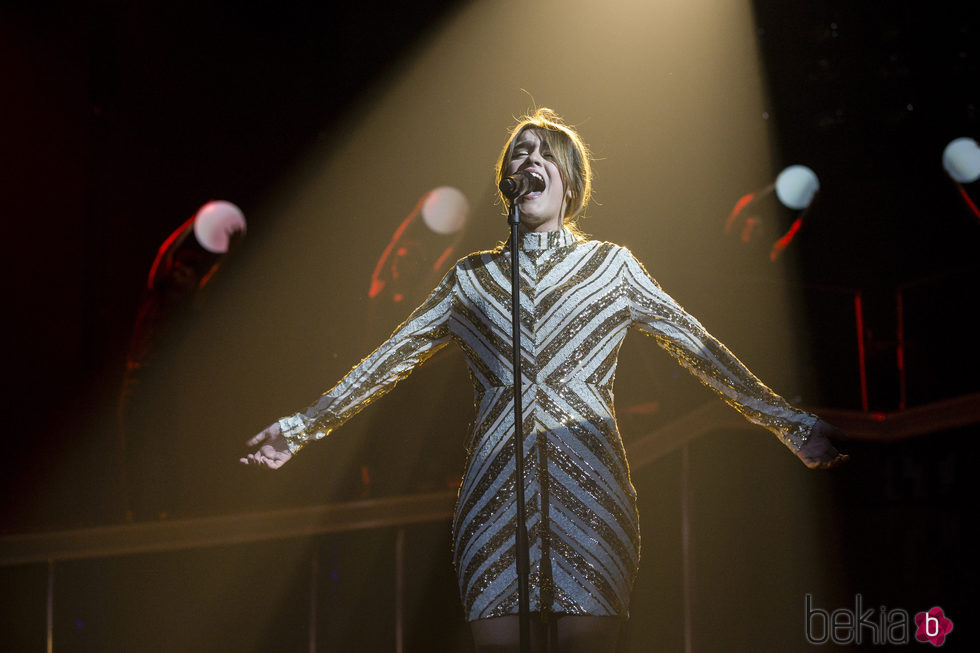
(579, 298)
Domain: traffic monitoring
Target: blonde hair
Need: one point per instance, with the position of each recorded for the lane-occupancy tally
(571, 154)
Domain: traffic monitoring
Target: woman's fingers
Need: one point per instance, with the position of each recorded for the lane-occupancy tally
(266, 456)
(818, 452)
(260, 438)
(826, 461)
(270, 448)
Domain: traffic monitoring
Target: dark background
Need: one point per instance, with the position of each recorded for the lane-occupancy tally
(120, 120)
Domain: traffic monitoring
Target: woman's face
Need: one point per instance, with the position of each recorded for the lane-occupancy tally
(544, 210)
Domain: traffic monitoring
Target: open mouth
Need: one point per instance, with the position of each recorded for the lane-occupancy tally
(538, 193)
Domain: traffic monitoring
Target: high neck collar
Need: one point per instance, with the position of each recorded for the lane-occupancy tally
(538, 240)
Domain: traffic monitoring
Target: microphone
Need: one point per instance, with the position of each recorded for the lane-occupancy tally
(520, 183)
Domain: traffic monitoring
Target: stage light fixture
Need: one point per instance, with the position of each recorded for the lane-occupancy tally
(961, 160)
(796, 188)
(421, 245)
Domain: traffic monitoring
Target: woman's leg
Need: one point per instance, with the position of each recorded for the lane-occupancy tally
(502, 634)
(583, 634)
(561, 634)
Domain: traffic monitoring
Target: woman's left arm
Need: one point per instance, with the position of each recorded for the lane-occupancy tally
(656, 314)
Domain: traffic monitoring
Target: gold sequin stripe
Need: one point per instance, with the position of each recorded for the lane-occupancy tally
(498, 434)
(621, 544)
(477, 342)
(545, 268)
(480, 589)
(598, 335)
(578, 328)
(482, 292)
(546, 589)
(487, 501)
(490, 415)
(593, 270)
(602, 440)
(492, 325)
(586, 577)
(479, 505)
(604, 514)
(494, 567)
(594, 552)
(477, 283)
(603, 447)
(483, 342)
(503, 533)
(618, 506)
(618, 530)
(496, 279)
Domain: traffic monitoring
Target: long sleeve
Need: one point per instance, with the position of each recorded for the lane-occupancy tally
(421, 335)
(656, 314)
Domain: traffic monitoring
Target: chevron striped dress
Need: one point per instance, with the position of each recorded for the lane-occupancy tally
(578, 299)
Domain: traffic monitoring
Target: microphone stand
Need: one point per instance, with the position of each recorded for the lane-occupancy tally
(523, 559)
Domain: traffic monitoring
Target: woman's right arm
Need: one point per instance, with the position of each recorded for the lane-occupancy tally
(421, 335)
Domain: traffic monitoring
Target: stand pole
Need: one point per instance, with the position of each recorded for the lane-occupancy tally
(523, 560)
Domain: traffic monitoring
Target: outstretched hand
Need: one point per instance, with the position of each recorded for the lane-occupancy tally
(818, 452)
(270, 449)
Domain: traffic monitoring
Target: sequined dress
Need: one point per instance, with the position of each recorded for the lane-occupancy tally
(578, 299)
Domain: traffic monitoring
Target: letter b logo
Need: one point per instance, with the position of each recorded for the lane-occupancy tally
(822, 623)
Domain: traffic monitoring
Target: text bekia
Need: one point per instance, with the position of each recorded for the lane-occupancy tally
(867, 625)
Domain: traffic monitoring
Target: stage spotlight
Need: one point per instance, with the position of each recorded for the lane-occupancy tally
(445, 210)
(796, 188)
(421, 245)
(216, 223)
(216, 226)
(961, 160)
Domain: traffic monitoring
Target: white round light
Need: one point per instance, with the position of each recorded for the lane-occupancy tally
(445, 210)
(961, 158)
(796, 186)
(215, 224)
